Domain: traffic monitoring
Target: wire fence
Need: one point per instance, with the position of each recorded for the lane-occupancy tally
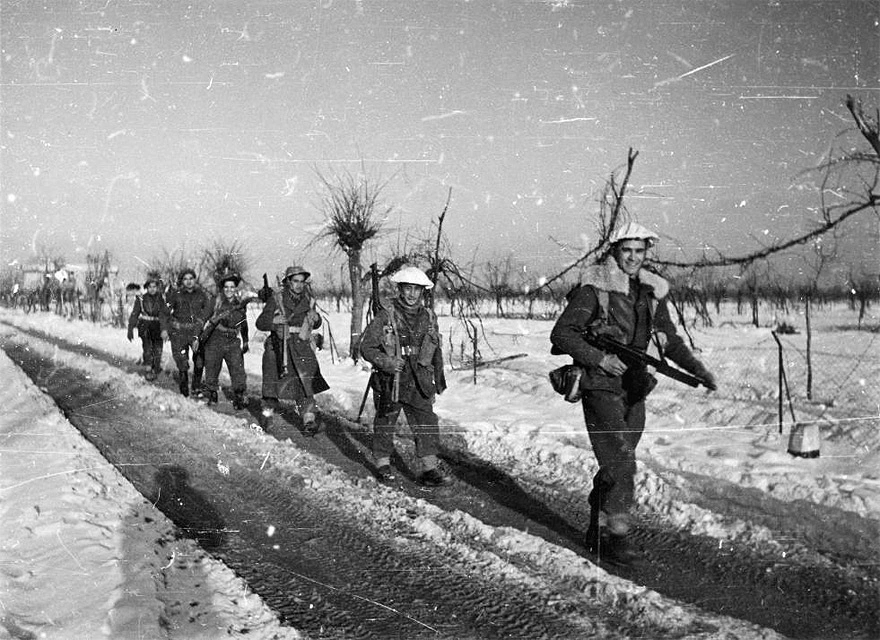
(842, 397)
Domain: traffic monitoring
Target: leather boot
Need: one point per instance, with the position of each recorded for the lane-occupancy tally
(602, 483)
(183, 384)
(617, 550)
(238, 401)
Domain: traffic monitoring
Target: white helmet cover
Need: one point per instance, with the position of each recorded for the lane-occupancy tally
(412, 275)
(634, 231)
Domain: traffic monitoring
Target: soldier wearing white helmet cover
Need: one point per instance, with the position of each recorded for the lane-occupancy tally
(403, 345)
(622, 300)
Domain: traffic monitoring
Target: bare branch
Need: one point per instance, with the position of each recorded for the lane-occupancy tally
(606, 226)
(869, 129)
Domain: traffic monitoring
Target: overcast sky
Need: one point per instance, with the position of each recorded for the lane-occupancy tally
(139, 127)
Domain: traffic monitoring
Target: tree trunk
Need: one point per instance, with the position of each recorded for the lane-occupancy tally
(355, 274)
(809, 348)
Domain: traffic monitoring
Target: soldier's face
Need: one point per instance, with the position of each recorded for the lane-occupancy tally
(630, 256)
(229, 290)
(189, 282)
(297, 284)
(152, 288)
(411, 294)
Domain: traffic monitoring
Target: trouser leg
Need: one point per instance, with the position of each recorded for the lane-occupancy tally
(615, 429)
(383, 435)
(146, 349)
(156, 345)
(235, 364)
(213, 364)
(180, 351)
(425, 427)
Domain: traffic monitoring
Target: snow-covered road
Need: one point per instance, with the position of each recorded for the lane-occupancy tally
(529, 443)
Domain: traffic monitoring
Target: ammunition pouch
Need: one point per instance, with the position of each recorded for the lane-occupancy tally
(566, 381)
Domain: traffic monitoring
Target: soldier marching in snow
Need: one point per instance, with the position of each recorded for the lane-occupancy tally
(188, 308)
(146, 315)
(225, 339)
(290, 368)
(403, 345)
(621, 300)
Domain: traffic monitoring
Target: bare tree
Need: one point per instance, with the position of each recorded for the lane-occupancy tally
(97, 280)
(354, 214)
(865, 288)
(821, 256)
(498, 282)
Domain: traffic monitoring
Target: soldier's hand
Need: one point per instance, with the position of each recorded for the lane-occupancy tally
(313, 317)
(708, 380)
(164, 335)
(612, 365)
(394, 365)
(195, 345)
(279, 319)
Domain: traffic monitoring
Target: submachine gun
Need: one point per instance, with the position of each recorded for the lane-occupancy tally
(633, 357)
(212, 322)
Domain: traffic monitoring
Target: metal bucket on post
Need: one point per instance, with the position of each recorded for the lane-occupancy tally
(804, 440)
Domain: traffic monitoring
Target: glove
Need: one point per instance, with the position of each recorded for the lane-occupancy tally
(244, 349)
(130, 335)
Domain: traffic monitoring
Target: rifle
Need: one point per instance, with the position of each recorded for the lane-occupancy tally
(265, 294)
(632, 356)
(212, 322)
(284, 364)
(375, 306)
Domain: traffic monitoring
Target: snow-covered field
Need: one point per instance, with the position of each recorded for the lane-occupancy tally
(67, 574)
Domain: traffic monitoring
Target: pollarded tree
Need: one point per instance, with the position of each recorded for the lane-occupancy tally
(353, 213)
(222, 258)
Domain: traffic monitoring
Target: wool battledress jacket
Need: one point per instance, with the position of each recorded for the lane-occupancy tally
(146, 315)
(413, 334)
(187, 312)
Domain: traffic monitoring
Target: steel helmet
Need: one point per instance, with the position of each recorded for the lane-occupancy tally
(412, 275)
(296, 271)
(634, 231)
